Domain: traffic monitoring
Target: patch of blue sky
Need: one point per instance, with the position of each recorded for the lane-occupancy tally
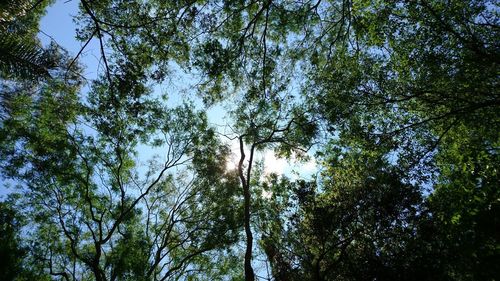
(58, 26)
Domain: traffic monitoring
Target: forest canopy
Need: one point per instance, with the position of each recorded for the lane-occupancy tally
(389, 109)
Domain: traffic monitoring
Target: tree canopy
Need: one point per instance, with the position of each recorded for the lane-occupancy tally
(395, 102)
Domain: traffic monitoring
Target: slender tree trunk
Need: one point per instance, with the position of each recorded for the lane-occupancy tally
(249, 274)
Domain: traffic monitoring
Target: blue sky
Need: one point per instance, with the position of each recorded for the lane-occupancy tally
(58, 25)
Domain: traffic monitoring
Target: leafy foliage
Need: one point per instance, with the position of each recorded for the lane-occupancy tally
(398, 99)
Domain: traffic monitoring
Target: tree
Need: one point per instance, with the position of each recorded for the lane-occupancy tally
(280, 126)
(353, 225)
(400, 85)
(87, 197)
(411, 75)
(416, 83)
(400, 96)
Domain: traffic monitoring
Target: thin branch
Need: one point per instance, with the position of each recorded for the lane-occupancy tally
(99, 36)
(79, 53)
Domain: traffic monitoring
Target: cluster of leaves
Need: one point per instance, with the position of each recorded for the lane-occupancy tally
(21, 54)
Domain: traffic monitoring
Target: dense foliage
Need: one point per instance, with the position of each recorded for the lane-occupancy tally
(396, 103)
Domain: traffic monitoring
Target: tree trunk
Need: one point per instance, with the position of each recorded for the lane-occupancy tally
(245, 183)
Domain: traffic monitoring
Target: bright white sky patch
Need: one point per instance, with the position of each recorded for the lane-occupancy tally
(273, 164)
(233, 160)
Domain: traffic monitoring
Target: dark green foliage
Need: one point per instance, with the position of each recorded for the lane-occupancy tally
(355, 227)
(11, 252)
(19, 59)
(21, 54)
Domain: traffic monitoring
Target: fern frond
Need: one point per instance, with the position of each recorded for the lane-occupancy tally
(23, 59)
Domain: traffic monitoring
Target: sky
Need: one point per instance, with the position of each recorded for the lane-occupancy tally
(58, 25)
